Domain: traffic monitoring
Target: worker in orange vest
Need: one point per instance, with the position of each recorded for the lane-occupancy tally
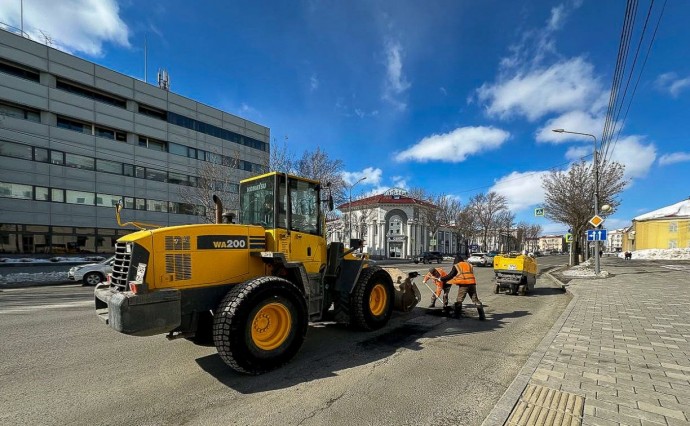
(462, 275)
(434, 274)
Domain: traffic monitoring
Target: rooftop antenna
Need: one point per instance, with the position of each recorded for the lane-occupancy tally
(146, 80)
(163, 79)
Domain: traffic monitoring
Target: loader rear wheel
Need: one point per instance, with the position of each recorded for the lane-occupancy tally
(497, 289)
(260, 325)
(372, 299)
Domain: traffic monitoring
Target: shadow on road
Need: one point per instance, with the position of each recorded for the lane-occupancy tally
(331, 348)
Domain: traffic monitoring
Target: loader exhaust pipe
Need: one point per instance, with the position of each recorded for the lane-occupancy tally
(219, 208)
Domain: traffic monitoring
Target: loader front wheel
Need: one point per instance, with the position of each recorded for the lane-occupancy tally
(260, 325)
(372, 299)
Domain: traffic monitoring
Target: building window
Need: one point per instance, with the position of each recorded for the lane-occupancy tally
(129, 202)
(79, 197)
(15, 190)
(157, 206)
(177, 149)
(20, 112)
(91, 94)
(128, 170)
(140, 204)
(41, 193)
(79, 161)
(140, 172)
(108, 166)
(41, 155)
(673, 227)
(156, 175)
(57, 158)
(672, 244)
(153, 112)
(15, 150)
(178, 178)
(107, 200)
(19, 71)
(152, 144)
(57, 195)
(66, 123)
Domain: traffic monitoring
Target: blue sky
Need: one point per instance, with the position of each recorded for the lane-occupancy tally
(456, 97)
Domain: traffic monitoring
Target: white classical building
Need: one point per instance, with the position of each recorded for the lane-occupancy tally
(392, 225)
(614, 240)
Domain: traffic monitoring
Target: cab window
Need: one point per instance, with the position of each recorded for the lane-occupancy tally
(304, 215)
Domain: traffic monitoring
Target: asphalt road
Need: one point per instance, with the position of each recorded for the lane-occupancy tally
(60, 365)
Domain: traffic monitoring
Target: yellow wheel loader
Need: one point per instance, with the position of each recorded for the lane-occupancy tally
(250, 287)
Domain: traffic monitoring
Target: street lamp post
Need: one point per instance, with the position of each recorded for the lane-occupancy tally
(349, 208)
(597, 265)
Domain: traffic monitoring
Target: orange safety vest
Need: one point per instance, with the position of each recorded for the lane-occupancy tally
(428, 276)
(465, 275)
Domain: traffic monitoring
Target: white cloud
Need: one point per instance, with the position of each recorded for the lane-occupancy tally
(675, 157)
(70, 25)
(522, 190)
(671, 83)
(456, 146)
(372, 175)
(564, 86)
(575, 153)
(577, 121)
(634, 155)
(396, 84)
(313, 83)
(556, 18)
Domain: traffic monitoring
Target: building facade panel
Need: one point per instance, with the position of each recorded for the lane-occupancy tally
(23, 92)
(31, 54)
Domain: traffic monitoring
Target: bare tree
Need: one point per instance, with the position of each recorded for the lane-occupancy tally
(504, 226)
(569, 195)
(213, 178)
(487, 207)
(319, 166)
(526, 231)
(281, 159)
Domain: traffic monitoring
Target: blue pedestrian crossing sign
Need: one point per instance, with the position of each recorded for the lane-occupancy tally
(596, 235)
(539, 211)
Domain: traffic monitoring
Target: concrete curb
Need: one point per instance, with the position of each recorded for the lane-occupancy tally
(502, 410)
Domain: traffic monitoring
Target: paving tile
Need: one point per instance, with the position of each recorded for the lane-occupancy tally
(666, 412)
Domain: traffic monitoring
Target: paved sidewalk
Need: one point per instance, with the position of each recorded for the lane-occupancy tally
(622, 344)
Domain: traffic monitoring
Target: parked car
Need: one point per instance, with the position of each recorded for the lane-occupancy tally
(428, 257)
(479, 259)
(490, 257)
(91, 273)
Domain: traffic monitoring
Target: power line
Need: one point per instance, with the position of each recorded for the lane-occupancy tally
(632, 96)
(621, 60)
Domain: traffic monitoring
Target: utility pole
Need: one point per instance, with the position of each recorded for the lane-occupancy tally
(597, 265)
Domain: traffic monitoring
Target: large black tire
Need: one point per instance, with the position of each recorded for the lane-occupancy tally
(372, 299)
(92, 278)
(260, 325)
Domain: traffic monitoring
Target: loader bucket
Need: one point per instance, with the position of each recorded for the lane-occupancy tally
(407, 294)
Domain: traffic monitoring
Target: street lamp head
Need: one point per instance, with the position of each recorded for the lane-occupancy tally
(558, 130)
(605, 208)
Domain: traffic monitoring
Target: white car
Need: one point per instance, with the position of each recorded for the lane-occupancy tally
(477, 259)
(92, 273)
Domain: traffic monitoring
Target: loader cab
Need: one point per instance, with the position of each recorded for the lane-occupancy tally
(288, 207)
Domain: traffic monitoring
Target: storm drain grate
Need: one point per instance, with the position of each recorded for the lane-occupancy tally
(539, 405)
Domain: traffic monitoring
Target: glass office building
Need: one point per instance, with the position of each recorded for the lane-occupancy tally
(76, 138)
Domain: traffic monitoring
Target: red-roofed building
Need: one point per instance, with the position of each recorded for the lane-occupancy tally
(392, 225)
